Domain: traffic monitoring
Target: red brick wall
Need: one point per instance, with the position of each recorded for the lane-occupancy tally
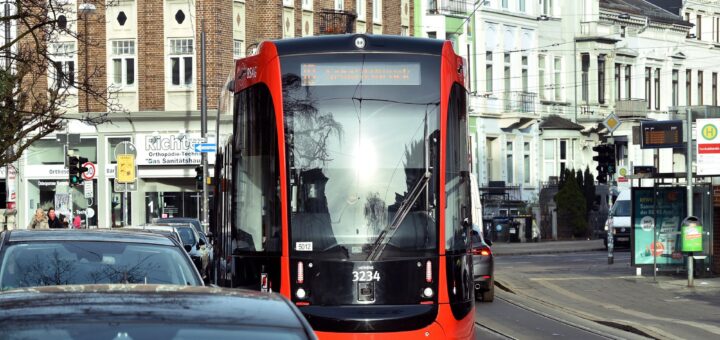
(151, 55)
(217, 15)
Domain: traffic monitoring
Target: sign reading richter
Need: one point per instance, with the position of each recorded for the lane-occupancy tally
(708, 146)
(167, 149)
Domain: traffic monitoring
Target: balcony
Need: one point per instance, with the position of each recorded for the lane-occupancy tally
(520, 102)
(451, 7)
(336, 21)
(631, 108)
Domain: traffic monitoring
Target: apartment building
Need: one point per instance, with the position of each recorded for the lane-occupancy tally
(148, 53)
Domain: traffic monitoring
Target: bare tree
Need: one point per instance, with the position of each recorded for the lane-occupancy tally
(37, 91)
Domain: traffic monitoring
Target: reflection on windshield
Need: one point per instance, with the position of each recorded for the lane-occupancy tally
(49, 264)
(621, 208)
(355, 152)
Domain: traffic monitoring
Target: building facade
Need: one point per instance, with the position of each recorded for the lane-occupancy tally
(149, 55)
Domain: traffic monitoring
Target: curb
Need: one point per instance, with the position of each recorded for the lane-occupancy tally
(542, 252)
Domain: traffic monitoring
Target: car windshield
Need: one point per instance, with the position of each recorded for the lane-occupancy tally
(141, 330)
(64, 263)
(621, 208)
(352, 177)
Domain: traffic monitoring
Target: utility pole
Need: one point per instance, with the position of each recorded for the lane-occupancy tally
(203, 128)
(689, 177)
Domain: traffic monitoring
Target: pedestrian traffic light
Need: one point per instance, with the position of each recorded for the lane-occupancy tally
(76, 169)
(606, 161)
(199, 177)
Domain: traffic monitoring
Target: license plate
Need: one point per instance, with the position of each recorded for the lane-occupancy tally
(620, 239)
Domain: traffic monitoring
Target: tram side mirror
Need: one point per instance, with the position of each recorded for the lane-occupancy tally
(200, 243)
(188, 248)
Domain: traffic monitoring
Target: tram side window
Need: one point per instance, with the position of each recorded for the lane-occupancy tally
(457, 181)
(256, 213)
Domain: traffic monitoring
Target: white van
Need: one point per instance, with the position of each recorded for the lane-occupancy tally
(619, 220)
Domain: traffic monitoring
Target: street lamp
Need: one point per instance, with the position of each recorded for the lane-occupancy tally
(86, 10)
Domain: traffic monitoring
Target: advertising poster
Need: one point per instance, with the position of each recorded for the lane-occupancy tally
(664, 217)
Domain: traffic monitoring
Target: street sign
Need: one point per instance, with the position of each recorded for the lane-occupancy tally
(88, 189)
(125, 172)
(205, 147)
(708, 146)
(612, 122)
(90, 173)
(125, 148)
(661, 134)
(124, 187)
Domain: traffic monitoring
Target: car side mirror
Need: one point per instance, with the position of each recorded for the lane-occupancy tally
(188, 248)
(201, 243)
(488, 242)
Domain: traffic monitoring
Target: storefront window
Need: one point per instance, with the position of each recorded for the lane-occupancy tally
(50, 151)
(173, 204)
(67, 201)
(112, 142)
(116, 207)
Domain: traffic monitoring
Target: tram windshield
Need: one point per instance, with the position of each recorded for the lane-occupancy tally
(362, 146)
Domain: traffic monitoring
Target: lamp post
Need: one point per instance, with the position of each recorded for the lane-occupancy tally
(86, 10)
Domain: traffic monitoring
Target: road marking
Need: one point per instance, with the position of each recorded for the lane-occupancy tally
(570, 278)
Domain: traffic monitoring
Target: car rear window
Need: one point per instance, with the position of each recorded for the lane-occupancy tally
(76, 262)
(621, 208)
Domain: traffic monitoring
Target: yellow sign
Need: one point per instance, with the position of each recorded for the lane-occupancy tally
(709, 131)
(612, 123)
(125, 171)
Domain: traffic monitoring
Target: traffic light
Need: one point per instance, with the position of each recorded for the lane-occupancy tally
(199, 177)
(76, 169)
(606, 161)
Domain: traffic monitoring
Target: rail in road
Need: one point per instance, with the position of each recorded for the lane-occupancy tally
(506, 319)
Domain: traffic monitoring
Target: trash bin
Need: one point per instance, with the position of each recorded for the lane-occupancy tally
(513, 233)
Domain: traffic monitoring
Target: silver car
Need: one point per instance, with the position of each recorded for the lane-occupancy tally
(483, 268)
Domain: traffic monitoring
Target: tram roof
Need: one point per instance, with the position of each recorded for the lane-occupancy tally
(347, 43)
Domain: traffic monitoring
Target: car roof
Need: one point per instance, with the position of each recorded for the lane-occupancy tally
(102, 235)
(135, 302)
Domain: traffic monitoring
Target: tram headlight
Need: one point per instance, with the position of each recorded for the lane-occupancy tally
(428, 292)
(300, 293)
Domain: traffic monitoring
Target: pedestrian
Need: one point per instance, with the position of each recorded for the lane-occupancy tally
(39, 221)
(76, 222)
(53, 221)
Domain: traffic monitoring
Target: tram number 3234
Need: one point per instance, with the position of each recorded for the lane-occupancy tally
(365, 275)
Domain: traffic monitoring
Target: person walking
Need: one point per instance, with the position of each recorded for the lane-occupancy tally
(53, 221)
(76, 222)
(39, 221)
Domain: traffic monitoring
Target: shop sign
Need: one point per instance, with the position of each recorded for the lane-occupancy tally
(46, 171)
(11, 185)
(167, 149)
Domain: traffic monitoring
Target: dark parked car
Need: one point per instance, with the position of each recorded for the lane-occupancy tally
(30, 258)
(158, 312)
(483, 268)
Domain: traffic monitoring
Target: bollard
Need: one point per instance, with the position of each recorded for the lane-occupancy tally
(611, 258)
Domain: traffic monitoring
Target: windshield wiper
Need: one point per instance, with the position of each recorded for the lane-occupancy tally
(379, 246)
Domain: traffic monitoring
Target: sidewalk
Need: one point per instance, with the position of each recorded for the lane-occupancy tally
(546, 247)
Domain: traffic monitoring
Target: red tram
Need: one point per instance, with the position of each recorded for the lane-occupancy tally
(345, 185)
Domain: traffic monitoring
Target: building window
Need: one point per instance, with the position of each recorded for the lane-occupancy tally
(558, 70)
(238, 48)
(509, 162)
(657, 89)
(181, 62)
(698, 29)
(521, 5)
(675, 87)
(648, 72)
(563, 155)
(549, 158)
(601, 79)
(541, 76)
(714, 89)
(700, 88)
(339, 5)
(488, 71)
(688, 87)
(524, 73)
(506, 72)
(63, 55)
(585, 69)
(360, 8)
(123, 62)
(618, 90)
(377, 11)
(526, 162)
(505, 4)
(547, 7)
(628, 87)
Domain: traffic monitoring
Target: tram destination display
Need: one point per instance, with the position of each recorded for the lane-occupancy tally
(661, 134)
(368, 73)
